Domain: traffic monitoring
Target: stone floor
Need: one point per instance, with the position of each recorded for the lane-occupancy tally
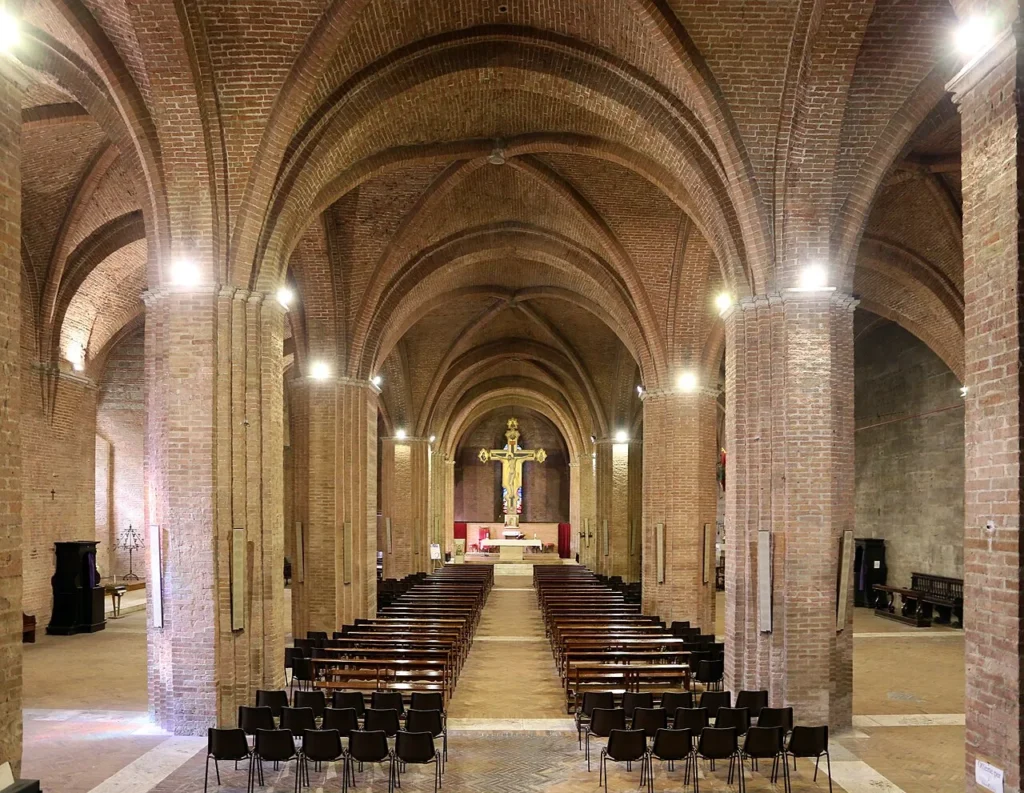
(86, 729)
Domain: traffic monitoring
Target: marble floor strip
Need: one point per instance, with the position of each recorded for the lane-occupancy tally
(911, 720)
(536, 726)
(918, 634)
(145, 773)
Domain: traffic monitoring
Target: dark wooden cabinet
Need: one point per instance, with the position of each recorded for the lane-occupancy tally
(868, 569)
(77, 594)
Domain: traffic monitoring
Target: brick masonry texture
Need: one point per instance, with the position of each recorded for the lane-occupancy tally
(498, 208)
(909, 440)
(990, 108)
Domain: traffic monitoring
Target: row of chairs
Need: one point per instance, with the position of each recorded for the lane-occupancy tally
(307, 717)
(321, 746)
(600, 718)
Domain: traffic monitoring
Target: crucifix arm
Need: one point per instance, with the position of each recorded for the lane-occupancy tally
(532, 455)
(486, 455)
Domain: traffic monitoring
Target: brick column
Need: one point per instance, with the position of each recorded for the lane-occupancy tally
(588, 510)
(680, 493)
(575, 506)
(988, 93)
(213, 464)
(405, 483)
(612, 532)
(10, 409)
(789, 440)
(334, 426)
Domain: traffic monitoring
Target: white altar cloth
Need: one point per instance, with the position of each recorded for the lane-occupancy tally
(511, 549)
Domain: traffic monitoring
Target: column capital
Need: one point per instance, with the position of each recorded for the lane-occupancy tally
(335, 381)
(975, 70)
(658, 394)
(754, 303)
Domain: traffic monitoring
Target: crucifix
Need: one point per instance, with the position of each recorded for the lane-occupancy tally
(512, 457)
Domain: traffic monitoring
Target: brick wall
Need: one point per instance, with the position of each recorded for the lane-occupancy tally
(545, 485)
(909, 441)
(58, 430)
(11, 538)
(405, 482)
(120, 450)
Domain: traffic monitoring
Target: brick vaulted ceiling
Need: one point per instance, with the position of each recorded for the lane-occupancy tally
(490, 202)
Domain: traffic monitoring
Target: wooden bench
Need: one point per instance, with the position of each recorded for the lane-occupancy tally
(943, 597)
(910, 610)
(619, 678)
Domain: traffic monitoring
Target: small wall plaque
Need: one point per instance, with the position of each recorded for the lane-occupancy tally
(659, 543)
(764, 580)
(300, 553)
(347, 545)
(238, 565)
(155, 592)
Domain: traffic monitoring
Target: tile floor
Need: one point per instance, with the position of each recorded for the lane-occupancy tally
(86, 730)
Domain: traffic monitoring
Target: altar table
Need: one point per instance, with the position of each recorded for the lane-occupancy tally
(511, 550)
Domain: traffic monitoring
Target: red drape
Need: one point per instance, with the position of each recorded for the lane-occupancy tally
(564, 540)
(460, 530)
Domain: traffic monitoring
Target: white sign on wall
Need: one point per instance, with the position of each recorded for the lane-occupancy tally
(988, 776)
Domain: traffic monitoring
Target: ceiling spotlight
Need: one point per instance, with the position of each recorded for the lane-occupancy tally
(963, 391)
(285, 296)
(621, 436)
(184, 272)
(497, 155)
(319, 371)
(76, 355)
(813, 278)
(722, 302)
(433, 438)
(974, 36)
(377, 380)
(640, 390)
(400, 434)
(10, 31)
(687, 382)
(593, 439)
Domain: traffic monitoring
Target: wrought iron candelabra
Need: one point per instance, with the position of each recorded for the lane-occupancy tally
(131, 541)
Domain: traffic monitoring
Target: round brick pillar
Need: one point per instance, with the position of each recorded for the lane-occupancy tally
(679, 496)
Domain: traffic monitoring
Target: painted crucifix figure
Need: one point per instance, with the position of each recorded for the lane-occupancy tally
(512, 458)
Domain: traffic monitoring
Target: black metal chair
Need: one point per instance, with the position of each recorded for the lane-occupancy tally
(416, 748)
(710, 673)
(671, 700)
(624, 746)
(669, 746)
(366, 747)
(317, 637)
(811, 742)
(311, 699)
(768, 743)
(431, 721)
(737, 718)
(649, 720)
(677, 628)
(302, 673)
(776, 717)
(385, 720)
(251, 719)
(277, 746)
(720, 743)
(226, 744)
(305, 644)
(753, 701)
(350, 699)
(297, 720)
(602, 722)
(713, 700)
(631, 700)
(320, 746)
(591, 700)
(382, 700)
(344, 720)
(692, 719)
(427, 700)
(275, 700)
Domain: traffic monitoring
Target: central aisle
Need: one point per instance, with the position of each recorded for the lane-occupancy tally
(509, 673)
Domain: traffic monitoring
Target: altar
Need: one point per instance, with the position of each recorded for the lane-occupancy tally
(510, 550)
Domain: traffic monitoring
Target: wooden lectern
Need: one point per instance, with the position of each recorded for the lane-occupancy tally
(77, 594)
